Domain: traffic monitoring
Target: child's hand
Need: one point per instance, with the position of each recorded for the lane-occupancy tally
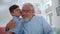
(10, 33)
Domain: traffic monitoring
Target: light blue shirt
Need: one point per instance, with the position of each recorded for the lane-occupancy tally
(37, 25)
(18, 27)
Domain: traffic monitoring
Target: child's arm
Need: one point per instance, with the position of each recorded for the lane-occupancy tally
(17, 28)
(11, 24)
(10, 33)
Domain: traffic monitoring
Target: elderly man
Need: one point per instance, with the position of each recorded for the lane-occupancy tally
(34, 24)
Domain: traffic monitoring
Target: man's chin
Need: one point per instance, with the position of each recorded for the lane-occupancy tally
(26, 19)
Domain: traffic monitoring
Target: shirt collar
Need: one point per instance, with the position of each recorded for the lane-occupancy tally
(15, 18)
(27, 20)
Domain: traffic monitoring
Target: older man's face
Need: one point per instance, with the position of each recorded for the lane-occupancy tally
(27, 12)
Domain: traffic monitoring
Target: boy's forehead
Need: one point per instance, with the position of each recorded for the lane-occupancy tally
(17, 9)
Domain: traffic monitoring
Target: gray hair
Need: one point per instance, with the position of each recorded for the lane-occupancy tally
(29, 4)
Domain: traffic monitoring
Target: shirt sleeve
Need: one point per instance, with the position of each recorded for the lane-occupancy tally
(5, 30)
(47, 28)
(16, 29)
(17, 23)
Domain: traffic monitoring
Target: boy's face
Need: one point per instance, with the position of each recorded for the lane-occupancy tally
(17, 12)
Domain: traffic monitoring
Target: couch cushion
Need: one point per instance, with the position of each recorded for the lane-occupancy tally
(2, 30)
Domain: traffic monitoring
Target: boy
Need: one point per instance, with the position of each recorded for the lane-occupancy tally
(16, 22)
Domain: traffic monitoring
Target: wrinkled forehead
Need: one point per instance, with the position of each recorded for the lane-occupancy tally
(27, 7)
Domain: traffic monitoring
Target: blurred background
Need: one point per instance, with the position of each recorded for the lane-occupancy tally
(49, 9)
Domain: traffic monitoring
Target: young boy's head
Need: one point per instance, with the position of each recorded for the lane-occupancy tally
(15, 10)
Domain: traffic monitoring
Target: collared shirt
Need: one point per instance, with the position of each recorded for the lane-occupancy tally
(37, 25)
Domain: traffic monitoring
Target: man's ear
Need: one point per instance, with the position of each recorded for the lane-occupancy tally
(33, 13)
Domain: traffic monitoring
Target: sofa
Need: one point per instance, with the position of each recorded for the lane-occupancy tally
(2, 30)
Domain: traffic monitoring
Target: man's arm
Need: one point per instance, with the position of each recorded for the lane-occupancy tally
(11, 24)
(47, 28)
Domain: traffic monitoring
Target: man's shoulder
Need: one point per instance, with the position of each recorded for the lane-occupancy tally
(38, 17)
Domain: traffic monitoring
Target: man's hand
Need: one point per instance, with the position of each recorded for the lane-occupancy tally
(11, 24)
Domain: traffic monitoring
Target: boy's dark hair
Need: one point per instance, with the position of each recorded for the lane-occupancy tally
(11, 8)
